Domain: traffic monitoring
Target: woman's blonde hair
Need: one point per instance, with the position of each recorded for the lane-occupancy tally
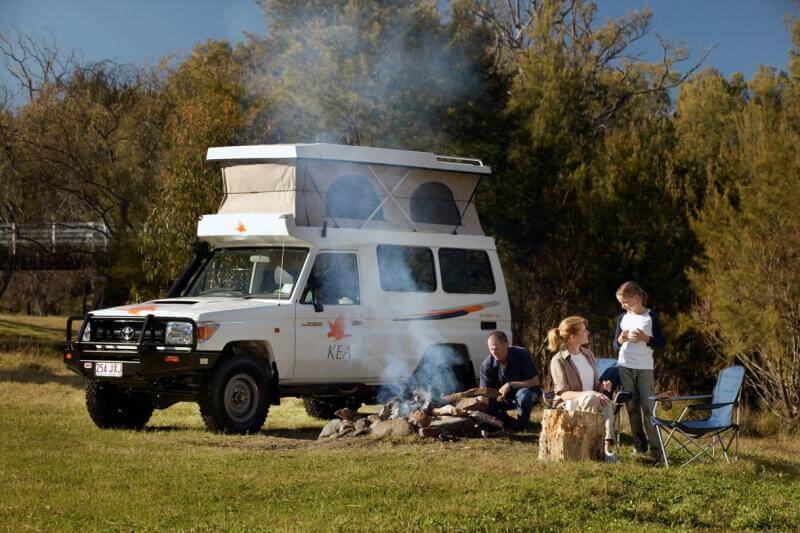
(630, 289)
(557, 337)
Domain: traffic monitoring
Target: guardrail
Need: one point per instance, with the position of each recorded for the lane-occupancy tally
(53, 238)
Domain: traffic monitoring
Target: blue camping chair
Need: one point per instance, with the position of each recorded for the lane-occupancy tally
(689, 435)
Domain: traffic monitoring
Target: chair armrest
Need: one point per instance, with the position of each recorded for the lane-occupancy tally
(680, 398)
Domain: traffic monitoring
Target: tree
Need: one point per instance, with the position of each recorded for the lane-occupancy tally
(588, 190)
(207, 107)
(361, 72)
(750, 230)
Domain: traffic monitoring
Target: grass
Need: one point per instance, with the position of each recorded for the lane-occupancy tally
(58, 471)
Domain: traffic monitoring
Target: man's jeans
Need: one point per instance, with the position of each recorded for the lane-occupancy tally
(523, 402)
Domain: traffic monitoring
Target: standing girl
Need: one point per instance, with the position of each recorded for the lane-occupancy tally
(638, 332)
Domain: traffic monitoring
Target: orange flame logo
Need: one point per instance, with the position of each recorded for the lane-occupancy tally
(337, 329)
(135, 310)
(241, 228)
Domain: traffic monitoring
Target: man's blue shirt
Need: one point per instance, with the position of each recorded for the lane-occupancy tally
(519, 367)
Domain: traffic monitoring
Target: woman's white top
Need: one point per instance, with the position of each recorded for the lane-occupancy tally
(585, 371)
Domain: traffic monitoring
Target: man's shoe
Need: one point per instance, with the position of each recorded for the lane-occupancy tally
(611, 458)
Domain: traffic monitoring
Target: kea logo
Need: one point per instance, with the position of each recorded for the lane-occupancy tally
(136, 309)
(241, 228)
(337, 329)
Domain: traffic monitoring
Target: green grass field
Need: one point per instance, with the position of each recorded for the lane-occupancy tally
(58, 471)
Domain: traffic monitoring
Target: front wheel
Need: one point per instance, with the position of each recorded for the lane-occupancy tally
(236, 399)
(111, 407)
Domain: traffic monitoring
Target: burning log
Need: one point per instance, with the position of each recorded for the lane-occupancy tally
(420, 418)
(485, 419)
(571, 436)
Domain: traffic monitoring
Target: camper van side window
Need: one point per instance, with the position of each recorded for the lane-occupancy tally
(406, 268)
(334, 280)
(466, 271)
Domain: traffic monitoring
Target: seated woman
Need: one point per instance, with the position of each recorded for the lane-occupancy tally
(574, 375)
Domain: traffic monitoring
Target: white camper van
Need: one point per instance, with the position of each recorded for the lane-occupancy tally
(333, 273)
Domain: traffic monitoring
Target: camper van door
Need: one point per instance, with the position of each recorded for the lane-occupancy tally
(331, 325)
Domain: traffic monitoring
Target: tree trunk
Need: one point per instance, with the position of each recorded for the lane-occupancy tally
(571, 436)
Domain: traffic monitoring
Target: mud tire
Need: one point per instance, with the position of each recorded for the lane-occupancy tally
(325, 408)
(236, 397)
(111, 407)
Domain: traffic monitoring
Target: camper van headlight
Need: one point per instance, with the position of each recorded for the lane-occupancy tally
(178, 333)
(87, 333)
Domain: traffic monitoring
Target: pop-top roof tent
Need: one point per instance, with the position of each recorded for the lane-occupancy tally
(352, 186)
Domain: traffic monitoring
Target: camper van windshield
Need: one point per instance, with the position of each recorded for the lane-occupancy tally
(250, 272)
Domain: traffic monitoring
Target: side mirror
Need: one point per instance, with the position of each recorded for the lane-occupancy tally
(318, 306)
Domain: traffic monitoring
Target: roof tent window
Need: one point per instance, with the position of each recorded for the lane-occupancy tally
(433, 203)
(406, 268)
(352, 196)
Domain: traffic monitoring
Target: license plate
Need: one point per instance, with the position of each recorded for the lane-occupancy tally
(108, 370)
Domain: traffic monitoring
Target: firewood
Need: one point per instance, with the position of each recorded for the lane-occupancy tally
(420, 418)
(471, 393)
(447, 410)
(485, 419)
(571, 436)
(477, 403)
(455, 425)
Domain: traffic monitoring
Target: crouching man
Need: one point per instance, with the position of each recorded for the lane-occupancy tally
(511, 370)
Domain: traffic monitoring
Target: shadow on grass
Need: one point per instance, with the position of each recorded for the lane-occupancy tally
(38, 375)
(306, 433)
(776, 465)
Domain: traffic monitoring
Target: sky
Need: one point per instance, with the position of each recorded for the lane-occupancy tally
(746, 33)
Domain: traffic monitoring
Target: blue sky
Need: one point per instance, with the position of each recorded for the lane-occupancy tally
(747, 32)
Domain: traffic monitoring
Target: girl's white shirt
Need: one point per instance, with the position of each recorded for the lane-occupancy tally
(637, 355)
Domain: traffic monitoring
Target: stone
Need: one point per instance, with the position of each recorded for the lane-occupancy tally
(395, 427)
(345, 413)
(330, 429)
(455, 425)
(571, 436)
(374, 418)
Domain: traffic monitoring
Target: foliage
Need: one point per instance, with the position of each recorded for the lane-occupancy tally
(750, 283)
(206, 106)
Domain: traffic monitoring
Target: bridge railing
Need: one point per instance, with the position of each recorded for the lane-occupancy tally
(53, 238)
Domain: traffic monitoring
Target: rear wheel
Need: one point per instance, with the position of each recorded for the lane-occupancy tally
(236, 399)
(110, 406)
(326, 407)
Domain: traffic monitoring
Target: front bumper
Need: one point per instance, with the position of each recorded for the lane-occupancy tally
(144, 364)
(142, 361)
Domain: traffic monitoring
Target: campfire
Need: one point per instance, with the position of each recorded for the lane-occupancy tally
(455, 416)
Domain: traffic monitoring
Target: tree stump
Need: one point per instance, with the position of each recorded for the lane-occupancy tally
(571, 436)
